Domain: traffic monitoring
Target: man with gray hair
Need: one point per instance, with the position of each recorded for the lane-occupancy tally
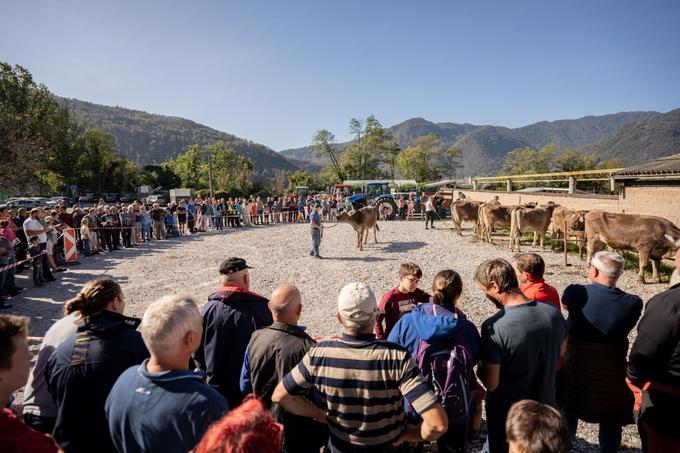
(363, 382)
(600, 318)
(160, 405)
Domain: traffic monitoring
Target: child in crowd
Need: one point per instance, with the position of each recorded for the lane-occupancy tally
(532, 427)
(169, 223)
(400, 300)
(146, 224)
(85, 235)
(36, 261)
(529, 268)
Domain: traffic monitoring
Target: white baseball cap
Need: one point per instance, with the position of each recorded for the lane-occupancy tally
(357, 303)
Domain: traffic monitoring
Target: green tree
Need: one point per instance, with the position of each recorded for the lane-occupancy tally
(161, 175)
(523, 161)
(187, 166)
(324, 143)
(66, 139)
(415, 163)
(299, 178)
(450, 158)
(25, 109)
(99, 158)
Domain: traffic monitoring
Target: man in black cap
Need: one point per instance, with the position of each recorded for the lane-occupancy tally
(317, 230)
(230, 317)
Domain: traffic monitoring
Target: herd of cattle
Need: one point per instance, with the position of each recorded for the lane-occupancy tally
(653, 238)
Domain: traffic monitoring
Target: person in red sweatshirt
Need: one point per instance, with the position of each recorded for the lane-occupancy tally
(398, 301)
(529, 268)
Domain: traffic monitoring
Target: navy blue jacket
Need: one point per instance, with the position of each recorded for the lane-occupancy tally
(229, 318)
(165, 412)
(80, 378)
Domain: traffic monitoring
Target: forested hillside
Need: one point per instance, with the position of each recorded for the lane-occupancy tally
(642, 141)
(146, 138)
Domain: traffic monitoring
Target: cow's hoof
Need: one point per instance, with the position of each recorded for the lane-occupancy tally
(641, 280)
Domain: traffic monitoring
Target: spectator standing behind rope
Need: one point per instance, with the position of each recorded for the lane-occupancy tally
(271, 354)
(83, 368)
(600, 318)
(32, 227)
(161, 406)
(654, 365)
(362, 417)
(516, 363)
(230, 317)
(15, 362)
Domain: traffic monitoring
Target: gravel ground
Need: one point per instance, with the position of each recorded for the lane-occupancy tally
(280, 254)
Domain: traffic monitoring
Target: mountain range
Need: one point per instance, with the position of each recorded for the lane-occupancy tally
(146, 138)
(484, 147)
(631, 137)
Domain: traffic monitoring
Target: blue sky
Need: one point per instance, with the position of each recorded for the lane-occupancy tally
(275, 72)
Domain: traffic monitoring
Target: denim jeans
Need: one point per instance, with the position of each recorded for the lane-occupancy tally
(316, 241)
(86, 247)
(9, 284)
(609, 436)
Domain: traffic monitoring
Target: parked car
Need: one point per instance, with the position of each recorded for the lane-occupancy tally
(111, 197)
(87, 198)
(126, 198)
(25, 203)
(155, 199)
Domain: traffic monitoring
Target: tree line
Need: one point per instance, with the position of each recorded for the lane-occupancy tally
(47, 149)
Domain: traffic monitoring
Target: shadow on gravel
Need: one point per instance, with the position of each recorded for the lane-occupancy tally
(366, 259)
(398, 247)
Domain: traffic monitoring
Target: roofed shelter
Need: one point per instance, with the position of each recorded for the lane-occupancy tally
(652, 188)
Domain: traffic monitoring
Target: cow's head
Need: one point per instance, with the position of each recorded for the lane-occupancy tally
(343, 216)
(673, 245)
(531, 204)
(577, 221)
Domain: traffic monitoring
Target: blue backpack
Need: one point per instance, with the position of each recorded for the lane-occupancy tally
(448, 367)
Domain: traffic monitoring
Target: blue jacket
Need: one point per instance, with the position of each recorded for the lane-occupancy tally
(81, 372)
(166, 412)
(430, 322)
(229, 318)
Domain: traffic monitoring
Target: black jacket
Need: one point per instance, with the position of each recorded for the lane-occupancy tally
(81, 372)
(229, 319)
(272, 353)
(655, 357)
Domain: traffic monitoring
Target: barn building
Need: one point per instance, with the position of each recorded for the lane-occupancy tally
(652, 188)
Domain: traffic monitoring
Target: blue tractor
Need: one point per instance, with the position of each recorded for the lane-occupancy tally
(376, 194)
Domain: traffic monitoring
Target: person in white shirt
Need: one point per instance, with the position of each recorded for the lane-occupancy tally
(429, 212)
(32, 227)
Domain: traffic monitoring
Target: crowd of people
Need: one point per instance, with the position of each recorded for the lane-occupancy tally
(32, 241)
(241, 374)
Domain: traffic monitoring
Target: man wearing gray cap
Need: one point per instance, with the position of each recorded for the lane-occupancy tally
(363, 382)
(230, 317)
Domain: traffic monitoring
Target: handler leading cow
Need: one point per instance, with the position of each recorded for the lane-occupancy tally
(651, 237)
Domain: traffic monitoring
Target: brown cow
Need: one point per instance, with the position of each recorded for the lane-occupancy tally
(492, 215)
(650, 236)
(536, 220)
(462, 210)
(576, 226)
(362, 221)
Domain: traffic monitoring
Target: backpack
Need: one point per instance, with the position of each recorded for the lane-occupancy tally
(448, 367)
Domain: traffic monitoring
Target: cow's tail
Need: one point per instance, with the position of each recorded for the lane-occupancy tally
(377, 227)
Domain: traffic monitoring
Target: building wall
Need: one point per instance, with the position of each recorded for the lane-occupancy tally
(576, 201)
(662, 201)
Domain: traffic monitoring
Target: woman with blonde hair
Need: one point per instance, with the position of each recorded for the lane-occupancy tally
(84, 367)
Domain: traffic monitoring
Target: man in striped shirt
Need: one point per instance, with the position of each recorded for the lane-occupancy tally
(363, 382)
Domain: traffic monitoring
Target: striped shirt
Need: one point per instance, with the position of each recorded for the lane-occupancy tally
(363, 382)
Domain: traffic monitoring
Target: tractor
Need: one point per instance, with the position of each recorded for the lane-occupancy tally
(376, 194)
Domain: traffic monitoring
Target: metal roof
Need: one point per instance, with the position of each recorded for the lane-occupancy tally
(666, 166)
